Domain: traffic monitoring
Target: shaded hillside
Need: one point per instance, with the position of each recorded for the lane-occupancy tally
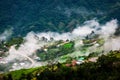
(53, 15)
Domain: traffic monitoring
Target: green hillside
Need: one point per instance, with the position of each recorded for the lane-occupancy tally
(106, 68)
(54, 15)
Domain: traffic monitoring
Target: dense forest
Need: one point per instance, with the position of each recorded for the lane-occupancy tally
(54, 15)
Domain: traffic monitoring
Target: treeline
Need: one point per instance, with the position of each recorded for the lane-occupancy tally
(107, 67)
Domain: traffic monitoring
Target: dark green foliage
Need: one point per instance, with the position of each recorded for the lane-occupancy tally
(106, 68)
(14, 41)
(93, 54)
(39, 15)
(3, 48)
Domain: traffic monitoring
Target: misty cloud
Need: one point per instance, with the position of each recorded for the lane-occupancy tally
(81, 10)
(109, 28)
(6, 34)
(33, 41)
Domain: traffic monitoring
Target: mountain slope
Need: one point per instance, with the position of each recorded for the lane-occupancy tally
(106, 68)
(53, 15)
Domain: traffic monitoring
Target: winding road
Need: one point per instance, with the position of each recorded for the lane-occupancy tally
(14, 52)
(30, 59)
